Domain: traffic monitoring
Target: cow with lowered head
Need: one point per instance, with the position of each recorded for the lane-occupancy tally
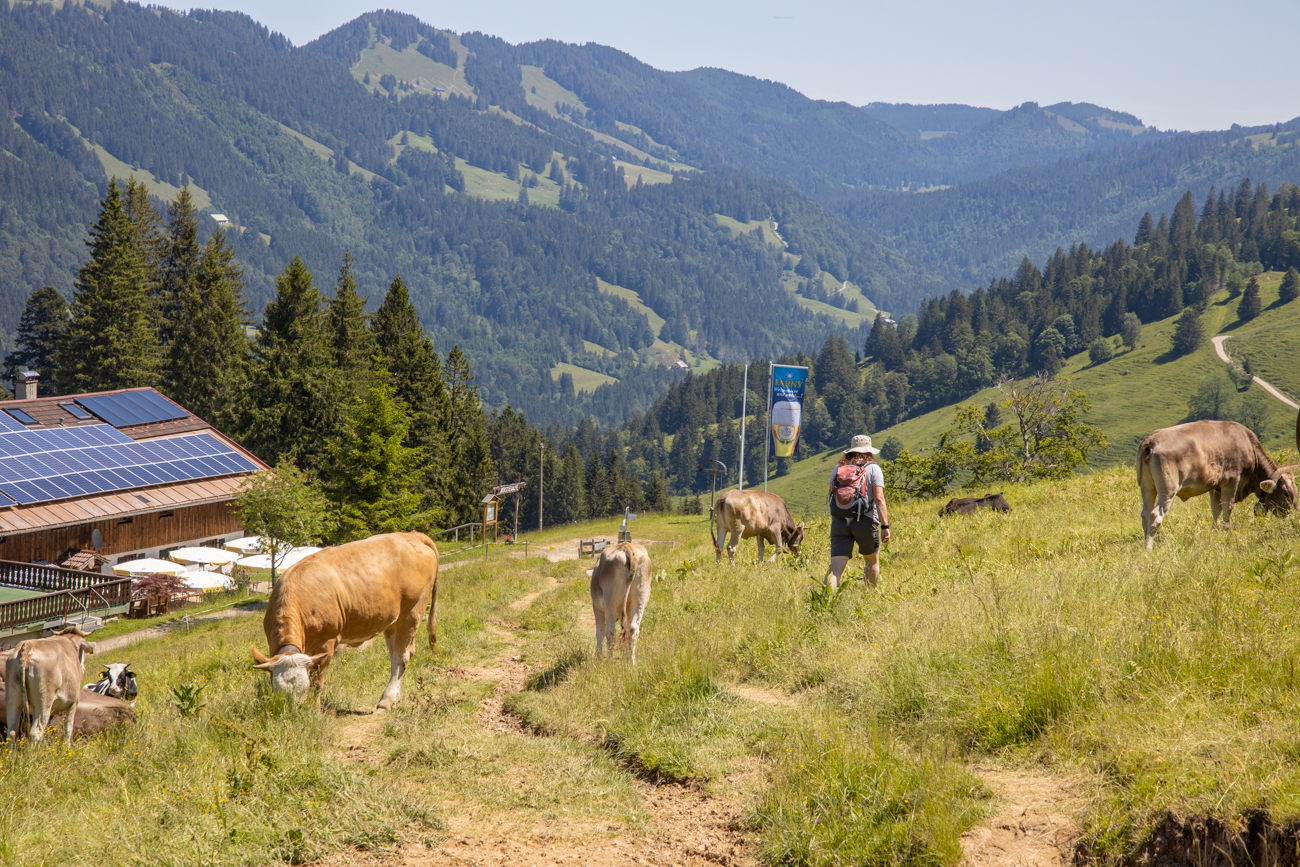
(1221, 458)
(749, 514)
(971, 505)
(344, 596)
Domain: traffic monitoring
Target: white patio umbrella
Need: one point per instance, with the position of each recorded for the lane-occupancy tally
(245, 546)
(203, 556)
(261, 563)
(207, 581)
(148, 566)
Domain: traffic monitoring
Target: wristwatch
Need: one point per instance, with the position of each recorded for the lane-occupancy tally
(884, 526)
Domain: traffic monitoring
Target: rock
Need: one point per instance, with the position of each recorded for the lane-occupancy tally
(95, 714)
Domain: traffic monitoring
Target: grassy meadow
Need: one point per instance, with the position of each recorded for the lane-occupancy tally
(1044, 639)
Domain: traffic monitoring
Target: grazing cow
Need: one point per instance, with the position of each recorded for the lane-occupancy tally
(1221, 458)
(342, 597)
(746, 514)
(117, 680)
(971, 505)
(620, 589)
(43, 678)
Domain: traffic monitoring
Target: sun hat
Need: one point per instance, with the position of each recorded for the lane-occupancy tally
(861, 444)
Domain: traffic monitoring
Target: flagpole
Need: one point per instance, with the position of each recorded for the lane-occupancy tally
(768, 440)
(744, 396)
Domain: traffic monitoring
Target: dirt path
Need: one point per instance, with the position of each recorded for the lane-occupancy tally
(1223, 356)
(108, 645)
(1033, 822)
(685, 826)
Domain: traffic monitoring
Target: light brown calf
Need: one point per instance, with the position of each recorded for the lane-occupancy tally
(43, 678)
(620, 590)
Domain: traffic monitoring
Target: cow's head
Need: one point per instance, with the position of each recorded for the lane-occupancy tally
(121, 680)
(290, 672)
(792, 537)
(1278, 495)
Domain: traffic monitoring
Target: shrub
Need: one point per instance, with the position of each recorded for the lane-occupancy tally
(1290, 288)
(1100, 351)
(1215, 398)
(1130, 330)
(1249, 306)
(891, 449)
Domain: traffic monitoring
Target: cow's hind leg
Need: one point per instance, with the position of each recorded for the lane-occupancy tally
(1157, 497)
(67, 724)
(598, 615)
(400, 638)
(1215, 506)
(732, 543)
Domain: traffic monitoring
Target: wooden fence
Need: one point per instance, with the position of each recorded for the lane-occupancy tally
(114, 593)
(30, 576)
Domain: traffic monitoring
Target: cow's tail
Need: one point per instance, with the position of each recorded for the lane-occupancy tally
(433, 617)
(1144, 456)
(713, 534)
(24, 707)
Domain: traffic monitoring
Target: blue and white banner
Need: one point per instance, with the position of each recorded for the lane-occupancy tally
(788, 385)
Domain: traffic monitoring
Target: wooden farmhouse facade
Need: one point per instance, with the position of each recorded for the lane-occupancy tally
(127, 473)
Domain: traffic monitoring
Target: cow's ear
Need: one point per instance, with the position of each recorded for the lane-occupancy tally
(1267, 486)
(315, 660)
(260, 658)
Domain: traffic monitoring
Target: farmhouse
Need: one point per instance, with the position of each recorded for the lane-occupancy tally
(128, 474)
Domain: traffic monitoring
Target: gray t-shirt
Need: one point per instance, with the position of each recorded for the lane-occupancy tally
(875, 476)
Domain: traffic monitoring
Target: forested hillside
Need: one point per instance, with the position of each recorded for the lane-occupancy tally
(306, 159)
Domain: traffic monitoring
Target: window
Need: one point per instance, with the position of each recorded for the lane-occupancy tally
(121, 521)
(127, 558)
(21, 416)
(76, 412)
(167, 515)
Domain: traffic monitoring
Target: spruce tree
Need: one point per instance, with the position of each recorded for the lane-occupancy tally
(41, 329)
(208, 357)
(1290, 288)
(353, 344)
(1250, 305)
(111, 340)
(181, 253)
(288, 412)
(469, 457)
(1188, 333)
(564, 492)
(416, 374)
(374, 475)
(656, 494)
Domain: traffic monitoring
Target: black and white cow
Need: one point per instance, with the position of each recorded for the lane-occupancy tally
(118, 680)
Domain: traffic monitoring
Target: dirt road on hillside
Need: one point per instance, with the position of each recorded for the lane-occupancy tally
(1224, 357)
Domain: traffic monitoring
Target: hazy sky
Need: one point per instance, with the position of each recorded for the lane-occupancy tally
(1192, 64)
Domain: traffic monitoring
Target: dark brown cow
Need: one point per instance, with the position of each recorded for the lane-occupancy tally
(1221, 458)
(971, 505)
(746, 514)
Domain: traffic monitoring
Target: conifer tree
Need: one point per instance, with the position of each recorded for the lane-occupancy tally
(353, 344)
(416, 374)
(288, 411)
(564, 496)
(374, 474)
(1290, 288)
(1250, 305)
(40, 330)
(1188, 333)
(111, 341)
(181, 253)
(469, 457)
(208, 357)
(656, 494)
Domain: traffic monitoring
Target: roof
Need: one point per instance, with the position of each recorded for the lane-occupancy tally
(75, 458)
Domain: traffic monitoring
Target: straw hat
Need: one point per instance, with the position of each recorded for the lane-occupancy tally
(861, 445)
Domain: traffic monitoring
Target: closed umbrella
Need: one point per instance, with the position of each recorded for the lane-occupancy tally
(203, 556)
(261, 563)
(245, 546)
(148, 566)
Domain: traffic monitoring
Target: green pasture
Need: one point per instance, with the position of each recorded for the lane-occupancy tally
(583, 379)
(1271, 342)
(1046, 639)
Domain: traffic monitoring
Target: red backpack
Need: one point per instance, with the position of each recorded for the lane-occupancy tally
(851, 496)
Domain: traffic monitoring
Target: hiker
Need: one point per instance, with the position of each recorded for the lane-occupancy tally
(858, 511)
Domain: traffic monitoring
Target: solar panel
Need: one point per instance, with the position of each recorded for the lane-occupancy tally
(22, 416)
(129, 408)
(8, 424)
(76, 412)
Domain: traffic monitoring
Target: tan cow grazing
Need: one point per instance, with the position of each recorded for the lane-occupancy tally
(343, 597)
(1221, 458)
(620, 590)
(746, 514)
(43, 678)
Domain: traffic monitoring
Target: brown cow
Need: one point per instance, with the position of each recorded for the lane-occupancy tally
(971, 505)
(343, 597)
(746, 514)
(1221, 458)
(43, 678)
(620, 590)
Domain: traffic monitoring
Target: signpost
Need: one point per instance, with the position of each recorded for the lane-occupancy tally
(503, 490)
(624, 534)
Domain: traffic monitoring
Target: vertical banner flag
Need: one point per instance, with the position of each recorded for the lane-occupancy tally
(787, 409)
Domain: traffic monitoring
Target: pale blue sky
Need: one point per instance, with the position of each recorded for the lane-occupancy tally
(1178, 65)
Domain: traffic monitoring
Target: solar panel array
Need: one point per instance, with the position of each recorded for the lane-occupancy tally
(38, 466)
(128, 408)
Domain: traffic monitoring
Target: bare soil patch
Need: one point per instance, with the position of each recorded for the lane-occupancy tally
(1033, 822)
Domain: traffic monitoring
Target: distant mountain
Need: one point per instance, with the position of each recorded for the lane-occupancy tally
(923, 122)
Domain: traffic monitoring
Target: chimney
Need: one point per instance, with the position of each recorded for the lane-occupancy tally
(25, 382)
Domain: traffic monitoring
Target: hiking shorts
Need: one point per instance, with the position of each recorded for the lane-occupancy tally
(845, 531)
